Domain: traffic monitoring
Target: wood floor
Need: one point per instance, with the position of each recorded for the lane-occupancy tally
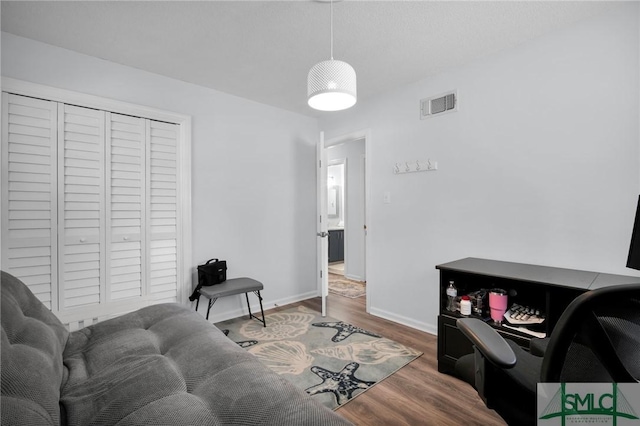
(415, 395)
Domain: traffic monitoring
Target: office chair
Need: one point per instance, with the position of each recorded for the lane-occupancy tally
(596, 339)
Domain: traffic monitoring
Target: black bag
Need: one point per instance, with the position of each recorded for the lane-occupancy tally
(211, 273)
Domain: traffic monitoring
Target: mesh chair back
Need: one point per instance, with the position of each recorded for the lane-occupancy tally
(597, 338)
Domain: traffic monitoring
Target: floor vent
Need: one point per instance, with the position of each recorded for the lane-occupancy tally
(446, 102)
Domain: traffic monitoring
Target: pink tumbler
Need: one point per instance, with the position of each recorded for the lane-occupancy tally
(497, 304)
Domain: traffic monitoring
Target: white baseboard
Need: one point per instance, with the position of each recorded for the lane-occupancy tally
(255, 308)
(354, 277)
(422, 326)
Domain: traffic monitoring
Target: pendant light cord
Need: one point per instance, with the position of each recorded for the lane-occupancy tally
(331, 9)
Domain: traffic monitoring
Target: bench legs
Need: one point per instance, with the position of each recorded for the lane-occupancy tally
(257, 293)
(211, 302)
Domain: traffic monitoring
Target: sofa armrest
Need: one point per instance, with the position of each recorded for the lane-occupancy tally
(490, 344)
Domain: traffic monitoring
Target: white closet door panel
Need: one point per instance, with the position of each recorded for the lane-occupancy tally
(29, 182)
(81, 163)
(83, 257)
(82, 266)
(27, 149)
(29, 261)
(77, 214)
(18, 188)
(88, 204)
(25, 109)
(82, 194)
(81, 188)
(83, 172)
(125, 278)
(30, 224)
(79, 279)
(42, 281)
(83, 223)
(85, 199)
(26, 253)
(127, 250)
(38, 236)
(83, 156)
(36, 134)
(29, 214)
(159, 192)
(126, 157)
(80, 146)
(123, 200)
(30, 170)
(82, 234)
(81, 297)
(163, 208)
(126, 223)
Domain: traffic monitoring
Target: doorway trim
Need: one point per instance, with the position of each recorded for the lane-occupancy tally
(350, 137)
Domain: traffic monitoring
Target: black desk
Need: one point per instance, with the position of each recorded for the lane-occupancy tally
(546, 288)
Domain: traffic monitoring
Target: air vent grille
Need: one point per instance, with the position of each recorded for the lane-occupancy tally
(446, 102)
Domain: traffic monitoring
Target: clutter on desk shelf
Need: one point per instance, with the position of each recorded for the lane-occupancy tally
(523, 315)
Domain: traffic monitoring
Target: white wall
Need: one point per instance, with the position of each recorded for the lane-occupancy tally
(253, 177)
(539, 165)
(352, 152)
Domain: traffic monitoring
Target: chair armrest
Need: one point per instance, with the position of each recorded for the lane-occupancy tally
(538, 347)
(490, 344)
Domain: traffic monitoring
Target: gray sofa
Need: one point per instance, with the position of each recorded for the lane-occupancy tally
(161, 365)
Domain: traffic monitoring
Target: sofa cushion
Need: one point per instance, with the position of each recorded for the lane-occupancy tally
(32, 344)
(165, 364)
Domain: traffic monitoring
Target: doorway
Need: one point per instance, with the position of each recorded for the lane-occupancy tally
(346, 203)
(336, 210)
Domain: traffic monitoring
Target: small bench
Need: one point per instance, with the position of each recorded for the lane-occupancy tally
(229, 288)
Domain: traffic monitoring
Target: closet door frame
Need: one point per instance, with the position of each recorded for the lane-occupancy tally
(185, 273)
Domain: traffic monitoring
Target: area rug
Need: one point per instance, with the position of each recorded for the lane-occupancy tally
(345, 287)
(331, 360)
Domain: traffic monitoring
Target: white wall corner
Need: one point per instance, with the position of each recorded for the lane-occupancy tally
(409, 322)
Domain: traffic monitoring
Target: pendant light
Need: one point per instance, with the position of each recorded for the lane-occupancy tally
(331, 85)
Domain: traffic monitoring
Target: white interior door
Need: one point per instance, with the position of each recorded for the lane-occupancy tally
(29, 194)
(81, 206)
(125, 212)
(322, 236)
(164, 223)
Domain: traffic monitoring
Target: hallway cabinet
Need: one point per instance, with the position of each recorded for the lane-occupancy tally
(89, 206)
(336, 245)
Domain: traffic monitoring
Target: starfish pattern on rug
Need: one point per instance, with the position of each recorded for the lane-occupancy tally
(344, 330)
(342, 384)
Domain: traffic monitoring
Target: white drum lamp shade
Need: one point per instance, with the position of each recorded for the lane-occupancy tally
(331, 86)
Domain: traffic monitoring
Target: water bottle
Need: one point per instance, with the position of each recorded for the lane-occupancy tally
(452, 292)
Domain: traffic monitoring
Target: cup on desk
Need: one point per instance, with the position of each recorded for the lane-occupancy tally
(497, 304)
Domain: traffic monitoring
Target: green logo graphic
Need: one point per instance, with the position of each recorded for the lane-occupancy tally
(588, 404)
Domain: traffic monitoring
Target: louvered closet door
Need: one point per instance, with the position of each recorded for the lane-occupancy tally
(29, 193)
(126, 154)
(81, 139)
(163, 210)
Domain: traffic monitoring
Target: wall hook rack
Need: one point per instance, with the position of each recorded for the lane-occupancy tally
(428, 165)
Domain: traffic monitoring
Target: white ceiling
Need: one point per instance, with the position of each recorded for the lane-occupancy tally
(263, 50)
